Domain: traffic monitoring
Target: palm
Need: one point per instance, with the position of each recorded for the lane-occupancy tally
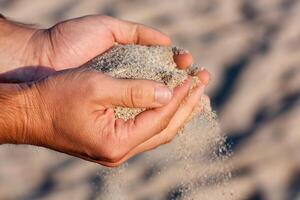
(77, 41)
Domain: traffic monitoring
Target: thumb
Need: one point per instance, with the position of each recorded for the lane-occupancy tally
(137, 93)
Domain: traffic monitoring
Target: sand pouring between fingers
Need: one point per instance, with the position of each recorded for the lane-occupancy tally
(142, 62)
(198, 152)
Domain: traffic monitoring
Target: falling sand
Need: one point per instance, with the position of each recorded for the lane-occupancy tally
(198, 154)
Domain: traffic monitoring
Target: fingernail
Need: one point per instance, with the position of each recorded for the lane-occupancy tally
(163, 95)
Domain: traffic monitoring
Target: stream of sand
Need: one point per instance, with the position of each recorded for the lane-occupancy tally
(198, 155)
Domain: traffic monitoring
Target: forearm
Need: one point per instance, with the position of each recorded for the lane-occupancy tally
(20, 118)
(14, 44)
(10, 114)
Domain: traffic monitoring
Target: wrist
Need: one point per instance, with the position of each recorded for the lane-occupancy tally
(17, 45)
(10, 114)
(21, 118)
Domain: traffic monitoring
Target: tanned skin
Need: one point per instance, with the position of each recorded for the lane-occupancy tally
(47, 99)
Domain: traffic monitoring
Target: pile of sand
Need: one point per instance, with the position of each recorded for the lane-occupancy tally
(141, 62)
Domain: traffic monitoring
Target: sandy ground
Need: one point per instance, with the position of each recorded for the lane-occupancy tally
(252, 49)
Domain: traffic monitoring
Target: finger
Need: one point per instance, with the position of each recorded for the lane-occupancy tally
(179, 119)
(126, 32)
(183, 113)
(150, 122)
(204, 76)
(183, 61)
(204, 103)
(135, 93)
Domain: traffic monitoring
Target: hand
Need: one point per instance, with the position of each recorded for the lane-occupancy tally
(41, 52)
(72, 112)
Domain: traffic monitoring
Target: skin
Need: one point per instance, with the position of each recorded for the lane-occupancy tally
(48, 100)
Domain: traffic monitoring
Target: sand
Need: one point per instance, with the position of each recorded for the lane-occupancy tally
(222, 35)
(142, 62)
(199, 140)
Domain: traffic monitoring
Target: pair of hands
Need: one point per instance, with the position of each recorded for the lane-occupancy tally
(70, 109)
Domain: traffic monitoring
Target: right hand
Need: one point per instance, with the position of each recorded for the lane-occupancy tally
(29, 54)
(72, 112)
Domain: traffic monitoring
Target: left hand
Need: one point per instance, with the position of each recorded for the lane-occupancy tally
(72, 43)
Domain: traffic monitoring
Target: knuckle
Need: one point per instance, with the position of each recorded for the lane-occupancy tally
(134, 96)
(127, 97)
(138, 94)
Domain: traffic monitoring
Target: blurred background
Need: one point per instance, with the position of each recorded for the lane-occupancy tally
(252, 49)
